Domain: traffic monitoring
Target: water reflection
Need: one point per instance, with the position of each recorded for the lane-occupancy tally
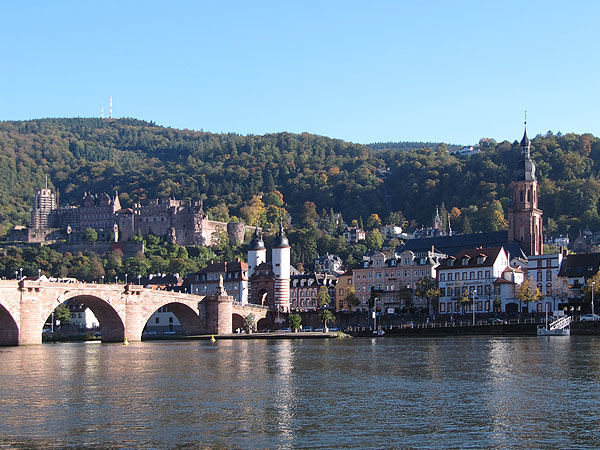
(360, 393)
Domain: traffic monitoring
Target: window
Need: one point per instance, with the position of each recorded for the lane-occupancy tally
(479, 290)
(548, 275)
(442, 292)
(442, 277)
(157, 320)
(471, 275)
(442, 307)
(464, 275)
(487, 273)
(341, 292)
(450, 276)
(479, 274)
(539, 275)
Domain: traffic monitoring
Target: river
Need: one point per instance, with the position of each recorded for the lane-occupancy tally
(362, 393)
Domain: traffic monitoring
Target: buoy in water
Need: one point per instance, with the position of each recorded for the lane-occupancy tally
(212, 338)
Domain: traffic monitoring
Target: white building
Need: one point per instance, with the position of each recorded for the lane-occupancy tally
(542, 272)
(82, 317)
(480, 272)
(163, 320)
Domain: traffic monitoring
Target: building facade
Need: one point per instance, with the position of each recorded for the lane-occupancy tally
(393, 280)
(234, 276)
(472, 273)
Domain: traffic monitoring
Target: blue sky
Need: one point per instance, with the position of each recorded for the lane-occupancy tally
(360, 71)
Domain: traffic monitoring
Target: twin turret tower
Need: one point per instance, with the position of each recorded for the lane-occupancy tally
(269, 283)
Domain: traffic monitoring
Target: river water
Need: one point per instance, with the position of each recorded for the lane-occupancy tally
(362, 393)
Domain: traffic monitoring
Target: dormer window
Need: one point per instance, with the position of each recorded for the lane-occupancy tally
(481, 259)
(450, 263)
(465, 260)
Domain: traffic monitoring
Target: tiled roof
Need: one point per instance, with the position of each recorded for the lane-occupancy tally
(580, 265)
(472, 255)
(451, 245)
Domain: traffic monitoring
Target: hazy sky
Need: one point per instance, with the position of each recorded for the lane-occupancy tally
(362, 71)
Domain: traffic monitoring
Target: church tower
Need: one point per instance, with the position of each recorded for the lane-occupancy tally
(524, 216)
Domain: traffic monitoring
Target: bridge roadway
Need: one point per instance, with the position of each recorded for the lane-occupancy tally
(122, 310)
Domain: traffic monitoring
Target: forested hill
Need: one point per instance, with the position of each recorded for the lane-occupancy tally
(142, 160)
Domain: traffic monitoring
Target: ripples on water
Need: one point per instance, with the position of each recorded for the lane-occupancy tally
(499, 393)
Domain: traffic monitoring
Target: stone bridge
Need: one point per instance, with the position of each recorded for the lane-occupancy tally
(122, 310)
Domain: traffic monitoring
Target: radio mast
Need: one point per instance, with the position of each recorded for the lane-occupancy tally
(110, 114)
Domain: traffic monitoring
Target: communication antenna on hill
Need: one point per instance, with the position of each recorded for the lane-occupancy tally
(102, 114)
(110, 114)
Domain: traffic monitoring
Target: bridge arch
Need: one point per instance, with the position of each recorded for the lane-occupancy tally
(9, 331)
(190, 320)
(110, 321)
(237, 321)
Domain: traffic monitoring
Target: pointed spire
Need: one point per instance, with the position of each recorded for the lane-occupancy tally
(525, 141)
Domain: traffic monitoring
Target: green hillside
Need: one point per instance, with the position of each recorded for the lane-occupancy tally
(142, 160)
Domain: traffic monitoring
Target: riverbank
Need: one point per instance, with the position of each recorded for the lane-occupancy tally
(245, 336)
(510, 329)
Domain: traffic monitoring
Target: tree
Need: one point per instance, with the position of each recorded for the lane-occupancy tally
(323, 297)
(374, 240)
(325, 315)
(62, 314)
(464, 299)
(90, 235)
(351, 299)
(249, 323)
(526, 294)
(593, 284)
(395, 219)
(295, 320)
(426, 288)
(373, 222)
(254, 213)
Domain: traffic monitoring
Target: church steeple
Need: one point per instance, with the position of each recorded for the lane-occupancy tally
(524, 216)
(526, 168)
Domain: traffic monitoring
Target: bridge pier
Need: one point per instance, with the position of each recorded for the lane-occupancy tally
(219, 310)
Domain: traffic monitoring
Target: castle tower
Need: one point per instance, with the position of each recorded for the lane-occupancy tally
(524, 216)
(281, 269)
(43, 203)
(257, 253)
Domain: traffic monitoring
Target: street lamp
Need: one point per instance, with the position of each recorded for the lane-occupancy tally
(20, 273)
(473, 307)
(16, 274)
(139, 277)
(39, 273)
(102, 279)
(125, 278)
(593, 285)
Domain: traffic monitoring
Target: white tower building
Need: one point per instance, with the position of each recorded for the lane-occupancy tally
(281, 270)
(257, 253)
